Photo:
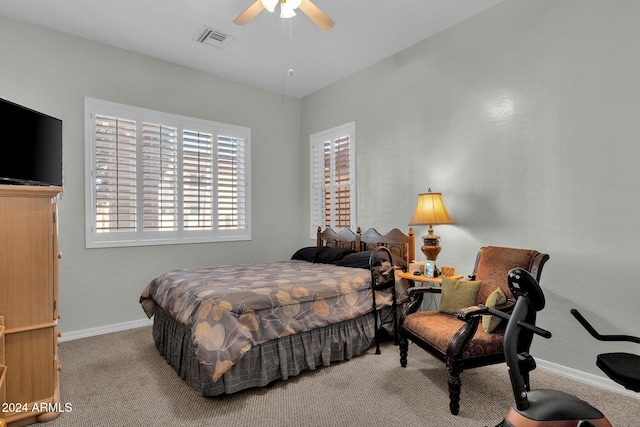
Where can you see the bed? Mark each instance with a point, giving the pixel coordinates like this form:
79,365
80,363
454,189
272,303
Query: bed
224,329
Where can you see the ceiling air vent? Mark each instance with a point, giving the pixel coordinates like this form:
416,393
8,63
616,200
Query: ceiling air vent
213,37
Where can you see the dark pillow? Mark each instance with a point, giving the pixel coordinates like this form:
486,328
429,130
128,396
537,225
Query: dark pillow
309,253
332,255
361,260
355,260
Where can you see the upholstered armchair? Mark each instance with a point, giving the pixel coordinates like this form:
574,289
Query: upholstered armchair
459,332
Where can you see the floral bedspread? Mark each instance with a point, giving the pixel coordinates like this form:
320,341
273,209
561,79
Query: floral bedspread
230,309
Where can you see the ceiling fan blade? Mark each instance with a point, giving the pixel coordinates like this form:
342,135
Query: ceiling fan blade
316,15
249,13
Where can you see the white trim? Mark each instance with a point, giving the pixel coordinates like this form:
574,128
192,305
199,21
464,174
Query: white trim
107,329
585,377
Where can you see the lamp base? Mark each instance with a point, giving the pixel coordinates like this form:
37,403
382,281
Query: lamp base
431,252
431,249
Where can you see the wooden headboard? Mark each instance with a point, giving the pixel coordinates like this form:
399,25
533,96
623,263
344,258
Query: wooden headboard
396,241
344,239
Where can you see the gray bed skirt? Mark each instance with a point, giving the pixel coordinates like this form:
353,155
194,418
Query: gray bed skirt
274,360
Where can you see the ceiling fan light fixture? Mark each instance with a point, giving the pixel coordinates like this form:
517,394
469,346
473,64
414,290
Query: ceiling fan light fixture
270,5
286,11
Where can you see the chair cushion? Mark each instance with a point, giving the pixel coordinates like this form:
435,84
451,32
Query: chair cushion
489,322
437,329
494,265
457,294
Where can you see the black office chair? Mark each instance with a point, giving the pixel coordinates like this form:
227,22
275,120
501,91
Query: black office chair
623,368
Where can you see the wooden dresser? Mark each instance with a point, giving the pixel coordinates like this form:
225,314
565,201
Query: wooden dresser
28,302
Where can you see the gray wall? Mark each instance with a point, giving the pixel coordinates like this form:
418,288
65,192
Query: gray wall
526,118
52,72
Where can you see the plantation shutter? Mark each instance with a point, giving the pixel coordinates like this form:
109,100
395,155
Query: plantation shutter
197,168
342,182
317,187
231,183
115,174
160,177
333,179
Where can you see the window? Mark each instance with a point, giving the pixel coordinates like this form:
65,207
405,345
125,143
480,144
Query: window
333,178
156,178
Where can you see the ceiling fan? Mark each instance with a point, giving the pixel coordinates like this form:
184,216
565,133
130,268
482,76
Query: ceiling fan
287,10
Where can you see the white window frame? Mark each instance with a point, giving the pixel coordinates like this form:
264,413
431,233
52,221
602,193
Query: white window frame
241,228
317,184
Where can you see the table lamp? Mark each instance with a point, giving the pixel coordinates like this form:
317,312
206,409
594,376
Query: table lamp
430,211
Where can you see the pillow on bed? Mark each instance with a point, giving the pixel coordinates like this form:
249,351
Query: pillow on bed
321,254
355,260
361,260
309,253
332,255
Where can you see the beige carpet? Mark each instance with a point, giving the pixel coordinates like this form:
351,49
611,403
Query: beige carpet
119,379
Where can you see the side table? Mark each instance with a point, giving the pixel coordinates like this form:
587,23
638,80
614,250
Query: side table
434,283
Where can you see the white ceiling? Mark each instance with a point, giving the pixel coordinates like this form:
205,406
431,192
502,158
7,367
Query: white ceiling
262,52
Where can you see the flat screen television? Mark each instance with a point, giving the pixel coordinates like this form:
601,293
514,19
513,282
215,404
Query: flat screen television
32,146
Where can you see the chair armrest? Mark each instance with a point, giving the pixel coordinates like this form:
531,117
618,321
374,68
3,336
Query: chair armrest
415,296
460,340
471,317
507,307
501,310
413,304
475,310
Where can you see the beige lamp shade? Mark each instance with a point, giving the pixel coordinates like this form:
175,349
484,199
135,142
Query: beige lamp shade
430,210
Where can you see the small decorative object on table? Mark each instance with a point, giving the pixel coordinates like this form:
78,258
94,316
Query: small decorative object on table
430,269
448,271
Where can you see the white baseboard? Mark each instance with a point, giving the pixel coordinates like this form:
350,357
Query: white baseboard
100,330
585,377
564,371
